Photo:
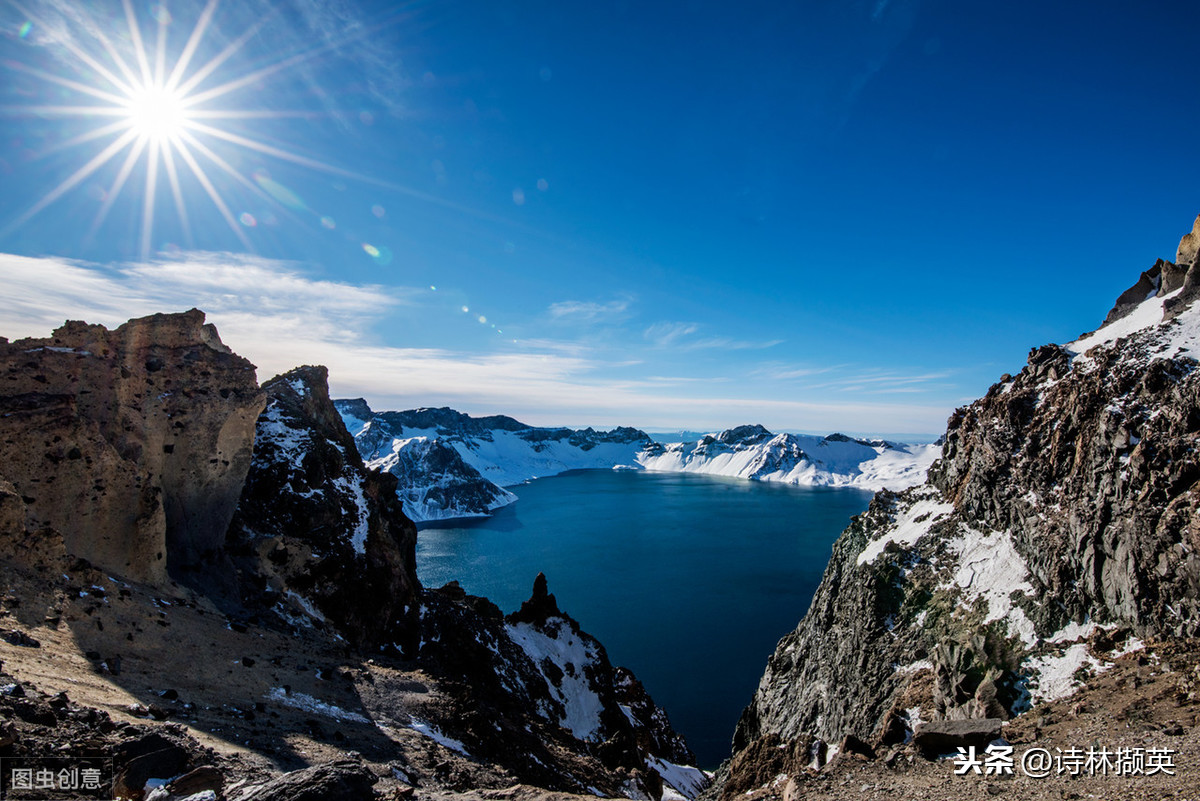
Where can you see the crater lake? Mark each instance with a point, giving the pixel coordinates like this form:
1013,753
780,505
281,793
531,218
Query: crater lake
688,580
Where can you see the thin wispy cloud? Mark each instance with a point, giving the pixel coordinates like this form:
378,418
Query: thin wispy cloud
588,311
790,372
725,343
880,383
680,335
664,334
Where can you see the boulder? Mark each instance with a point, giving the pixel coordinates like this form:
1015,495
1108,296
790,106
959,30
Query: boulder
947,736
333,781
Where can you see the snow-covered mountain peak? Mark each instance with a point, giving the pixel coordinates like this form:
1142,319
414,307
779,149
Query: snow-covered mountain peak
744,435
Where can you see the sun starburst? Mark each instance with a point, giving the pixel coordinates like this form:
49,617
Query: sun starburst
162,116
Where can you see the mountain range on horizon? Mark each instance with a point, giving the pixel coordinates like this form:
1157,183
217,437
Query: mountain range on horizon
450,465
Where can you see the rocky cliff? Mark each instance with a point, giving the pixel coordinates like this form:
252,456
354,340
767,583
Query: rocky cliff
539,695
1059,527
317,534
132,443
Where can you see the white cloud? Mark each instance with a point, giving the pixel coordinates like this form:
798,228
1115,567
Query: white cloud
278,316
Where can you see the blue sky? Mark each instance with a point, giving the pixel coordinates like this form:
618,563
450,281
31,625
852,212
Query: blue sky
817,215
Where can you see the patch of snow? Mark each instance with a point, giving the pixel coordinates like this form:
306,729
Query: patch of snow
1073,631
75,351
912,717
571,655
305,604
431,731
298,386
358,537
1131,645
913,667
1148,313
292,443
989,567
309,704
1055,675
686,781
908,527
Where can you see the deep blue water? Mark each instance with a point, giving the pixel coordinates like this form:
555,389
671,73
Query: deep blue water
687,580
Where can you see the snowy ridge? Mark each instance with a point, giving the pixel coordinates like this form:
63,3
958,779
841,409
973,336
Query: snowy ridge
450,465
752,452
436,483
1161,338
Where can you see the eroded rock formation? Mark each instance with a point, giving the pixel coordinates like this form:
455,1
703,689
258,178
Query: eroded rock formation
133,443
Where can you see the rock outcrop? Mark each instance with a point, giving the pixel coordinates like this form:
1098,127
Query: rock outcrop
315,529
1062,523
132,443
540,697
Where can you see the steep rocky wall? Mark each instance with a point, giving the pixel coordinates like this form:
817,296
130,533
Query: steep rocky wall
1063,518
314,522
133,443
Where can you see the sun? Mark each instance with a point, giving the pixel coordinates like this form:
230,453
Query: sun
154,112
157,114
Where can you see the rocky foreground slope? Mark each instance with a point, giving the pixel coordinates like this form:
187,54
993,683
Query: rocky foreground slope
179,544
1058,531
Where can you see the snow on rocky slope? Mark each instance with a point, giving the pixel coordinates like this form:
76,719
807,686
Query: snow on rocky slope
1056,532
451,465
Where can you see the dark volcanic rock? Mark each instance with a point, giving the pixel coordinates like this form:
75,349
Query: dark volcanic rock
314,521
540,606
133,443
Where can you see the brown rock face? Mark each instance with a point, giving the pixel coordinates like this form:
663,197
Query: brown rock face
1189,245
134,443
